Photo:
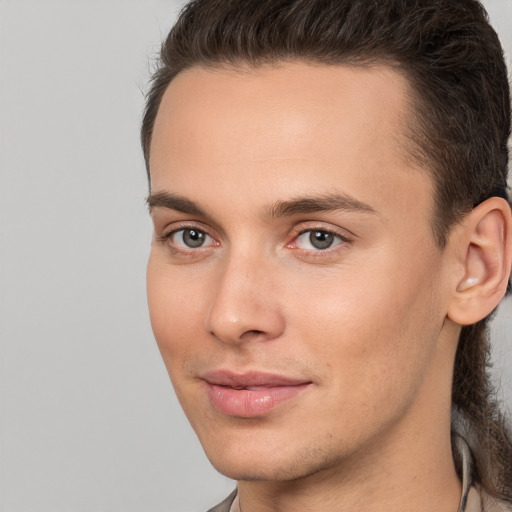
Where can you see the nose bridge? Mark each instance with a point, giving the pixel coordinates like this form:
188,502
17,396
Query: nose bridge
245,304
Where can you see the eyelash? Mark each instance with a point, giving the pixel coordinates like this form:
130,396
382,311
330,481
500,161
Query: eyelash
341,239
166,239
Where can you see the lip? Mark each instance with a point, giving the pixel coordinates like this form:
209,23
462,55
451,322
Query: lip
250,394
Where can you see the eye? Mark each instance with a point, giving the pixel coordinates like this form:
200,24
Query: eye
189,238
317,239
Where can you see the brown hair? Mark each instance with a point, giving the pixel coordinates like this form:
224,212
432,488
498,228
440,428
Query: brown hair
461,124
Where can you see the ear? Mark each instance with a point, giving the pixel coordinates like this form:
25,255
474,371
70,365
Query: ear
482,244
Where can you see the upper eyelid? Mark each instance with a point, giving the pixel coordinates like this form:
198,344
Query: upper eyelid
180,225
307,226
164,218
323,230
183,228
192,228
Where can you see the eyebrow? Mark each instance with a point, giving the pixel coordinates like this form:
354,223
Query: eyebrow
174,202
304,205
324,203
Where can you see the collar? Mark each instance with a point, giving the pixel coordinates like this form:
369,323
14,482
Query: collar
470,500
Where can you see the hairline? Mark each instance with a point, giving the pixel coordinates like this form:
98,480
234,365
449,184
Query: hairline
408,139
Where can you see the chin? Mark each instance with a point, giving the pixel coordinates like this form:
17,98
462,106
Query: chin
247,470
269,461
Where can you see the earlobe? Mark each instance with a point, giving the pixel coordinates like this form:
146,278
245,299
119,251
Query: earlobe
485,249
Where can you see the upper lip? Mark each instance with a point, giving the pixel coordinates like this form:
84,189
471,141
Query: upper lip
250,379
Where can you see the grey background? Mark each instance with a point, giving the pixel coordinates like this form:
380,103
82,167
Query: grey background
88,420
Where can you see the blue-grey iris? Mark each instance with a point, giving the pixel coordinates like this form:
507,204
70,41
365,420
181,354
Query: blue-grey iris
193,238
321,239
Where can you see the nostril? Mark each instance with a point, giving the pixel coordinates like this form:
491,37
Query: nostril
253,333
245,336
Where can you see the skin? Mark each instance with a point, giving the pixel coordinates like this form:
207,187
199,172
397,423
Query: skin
363,321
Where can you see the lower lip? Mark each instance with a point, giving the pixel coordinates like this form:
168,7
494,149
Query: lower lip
246,403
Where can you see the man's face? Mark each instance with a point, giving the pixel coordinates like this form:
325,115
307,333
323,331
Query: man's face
294,282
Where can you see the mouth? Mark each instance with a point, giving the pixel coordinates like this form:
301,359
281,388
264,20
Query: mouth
252,394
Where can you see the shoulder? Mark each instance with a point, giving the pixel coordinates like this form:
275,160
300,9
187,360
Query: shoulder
225,505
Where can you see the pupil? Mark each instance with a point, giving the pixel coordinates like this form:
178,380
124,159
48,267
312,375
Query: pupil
193,238
320,239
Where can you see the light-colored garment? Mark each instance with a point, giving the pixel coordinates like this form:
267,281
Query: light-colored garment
225,506
472,500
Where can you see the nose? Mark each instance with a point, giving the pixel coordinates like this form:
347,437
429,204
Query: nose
245,303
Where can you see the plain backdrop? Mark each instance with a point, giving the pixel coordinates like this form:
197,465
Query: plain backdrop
88,418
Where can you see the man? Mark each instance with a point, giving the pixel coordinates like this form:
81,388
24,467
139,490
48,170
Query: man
328,191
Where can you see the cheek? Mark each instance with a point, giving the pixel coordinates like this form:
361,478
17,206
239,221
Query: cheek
175,313
174,309
376,330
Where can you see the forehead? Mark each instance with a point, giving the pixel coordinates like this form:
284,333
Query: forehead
284,125
293,97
